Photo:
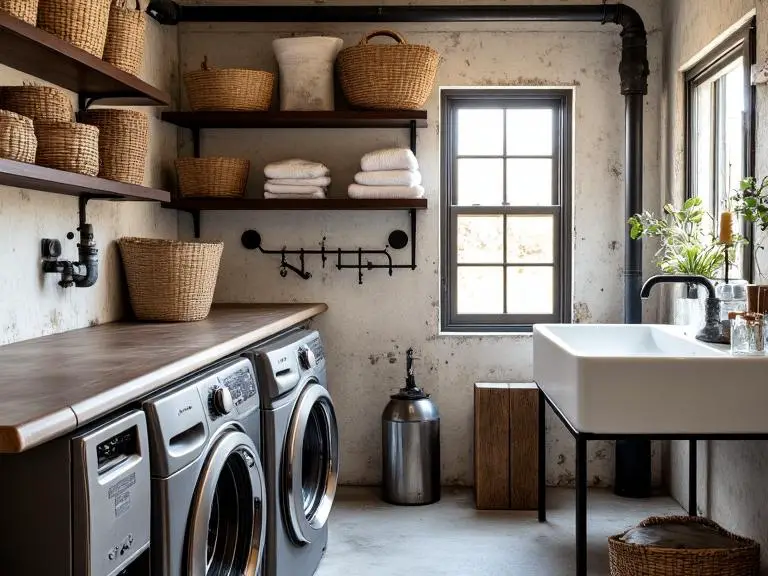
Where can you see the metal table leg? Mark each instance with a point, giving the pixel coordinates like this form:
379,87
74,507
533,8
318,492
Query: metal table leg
542,480
581,506
692,483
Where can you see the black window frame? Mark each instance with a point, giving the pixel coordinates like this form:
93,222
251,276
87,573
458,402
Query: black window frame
741,44
561,102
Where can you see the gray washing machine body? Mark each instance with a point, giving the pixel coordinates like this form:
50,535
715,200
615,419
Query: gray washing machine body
208,488
300,451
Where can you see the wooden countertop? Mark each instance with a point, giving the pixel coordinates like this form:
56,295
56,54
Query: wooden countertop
50,386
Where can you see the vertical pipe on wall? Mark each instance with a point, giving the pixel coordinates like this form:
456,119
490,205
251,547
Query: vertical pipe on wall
633,198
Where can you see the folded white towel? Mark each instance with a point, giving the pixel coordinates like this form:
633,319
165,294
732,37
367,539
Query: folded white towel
358,191
319,181
314,196
389,159
295,168
286,189
389,178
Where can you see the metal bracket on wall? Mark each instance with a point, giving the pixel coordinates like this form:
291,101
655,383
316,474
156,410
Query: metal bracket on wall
195,220
85,101
398,239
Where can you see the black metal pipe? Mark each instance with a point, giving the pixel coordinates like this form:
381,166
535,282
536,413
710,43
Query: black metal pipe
88,254
633,198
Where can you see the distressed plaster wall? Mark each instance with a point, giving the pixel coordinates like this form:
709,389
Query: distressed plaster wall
731,475
369,327
32,305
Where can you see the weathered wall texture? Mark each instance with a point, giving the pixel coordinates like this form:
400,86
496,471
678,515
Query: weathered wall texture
32,305
369,327
731,475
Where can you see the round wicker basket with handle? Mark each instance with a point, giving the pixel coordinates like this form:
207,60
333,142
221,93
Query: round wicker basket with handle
22,9
630,559
170,281
38,103
387,76
126,34
82,23
123,143
212,177
68,146
17,137
229,89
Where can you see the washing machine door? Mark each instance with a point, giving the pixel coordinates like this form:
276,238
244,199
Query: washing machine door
310,463
227,524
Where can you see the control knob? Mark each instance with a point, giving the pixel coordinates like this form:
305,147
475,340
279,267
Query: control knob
307,358
222,401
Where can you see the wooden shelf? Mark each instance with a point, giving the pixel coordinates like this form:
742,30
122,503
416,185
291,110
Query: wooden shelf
36,52
198,204
32,177
334,119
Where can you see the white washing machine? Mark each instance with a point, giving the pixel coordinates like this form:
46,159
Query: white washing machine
208,489
300,451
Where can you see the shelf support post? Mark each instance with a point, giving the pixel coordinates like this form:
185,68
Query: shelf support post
196,141
413,136
413,238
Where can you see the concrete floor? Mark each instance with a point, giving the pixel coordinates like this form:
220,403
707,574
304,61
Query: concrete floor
451,538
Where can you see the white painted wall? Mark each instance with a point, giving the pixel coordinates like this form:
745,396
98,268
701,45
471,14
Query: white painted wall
32,305
369,327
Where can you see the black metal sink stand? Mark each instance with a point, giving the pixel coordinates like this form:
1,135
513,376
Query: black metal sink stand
581,468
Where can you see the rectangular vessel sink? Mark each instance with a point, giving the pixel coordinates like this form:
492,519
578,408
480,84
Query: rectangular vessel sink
646,379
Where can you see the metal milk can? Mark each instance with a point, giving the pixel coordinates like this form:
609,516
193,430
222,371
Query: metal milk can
411,445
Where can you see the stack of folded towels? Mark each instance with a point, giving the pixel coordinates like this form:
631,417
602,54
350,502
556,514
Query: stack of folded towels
296,179
390,173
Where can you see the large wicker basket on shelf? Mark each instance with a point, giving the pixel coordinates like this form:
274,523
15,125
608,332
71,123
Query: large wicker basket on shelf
170,281
68,146
38,103
229,89
17,137
630,559
126,34
387,76
22,9
82,23
123,143
212,177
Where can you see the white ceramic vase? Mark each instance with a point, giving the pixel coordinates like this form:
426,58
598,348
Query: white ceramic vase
306,71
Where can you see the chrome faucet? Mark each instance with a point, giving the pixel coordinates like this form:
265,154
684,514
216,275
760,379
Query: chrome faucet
713,328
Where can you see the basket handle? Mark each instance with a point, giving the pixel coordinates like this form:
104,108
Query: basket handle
389,33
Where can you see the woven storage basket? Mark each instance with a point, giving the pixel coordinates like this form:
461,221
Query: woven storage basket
636,560
82,23
229,89
123,143
170,281
217,176
17,137
124,47
22,9
68,146
38,103
387,76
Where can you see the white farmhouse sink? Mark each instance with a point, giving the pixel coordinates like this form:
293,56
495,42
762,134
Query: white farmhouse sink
648,379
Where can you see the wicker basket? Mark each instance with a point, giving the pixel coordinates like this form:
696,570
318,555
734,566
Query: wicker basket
17,137
387,76
218,177
82,23
636,560
22,9
39,103
123,143
170,281
229,89
68,146
124,48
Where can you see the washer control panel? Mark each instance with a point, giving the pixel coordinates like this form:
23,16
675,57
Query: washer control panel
231,389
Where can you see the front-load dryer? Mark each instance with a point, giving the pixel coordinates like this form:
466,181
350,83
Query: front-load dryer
300,451
208,489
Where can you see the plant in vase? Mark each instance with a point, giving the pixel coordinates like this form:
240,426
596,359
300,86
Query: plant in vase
751,202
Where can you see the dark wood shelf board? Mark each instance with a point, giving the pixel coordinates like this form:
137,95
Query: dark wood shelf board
36,52
197,204
332,119
32,177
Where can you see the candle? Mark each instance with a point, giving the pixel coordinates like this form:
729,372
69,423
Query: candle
726,228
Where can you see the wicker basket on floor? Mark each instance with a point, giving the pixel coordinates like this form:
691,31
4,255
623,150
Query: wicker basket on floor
629,559
229,89
17,137
126,34
82,23
68,146
170,281
22,9
123,143
38,103
212,177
